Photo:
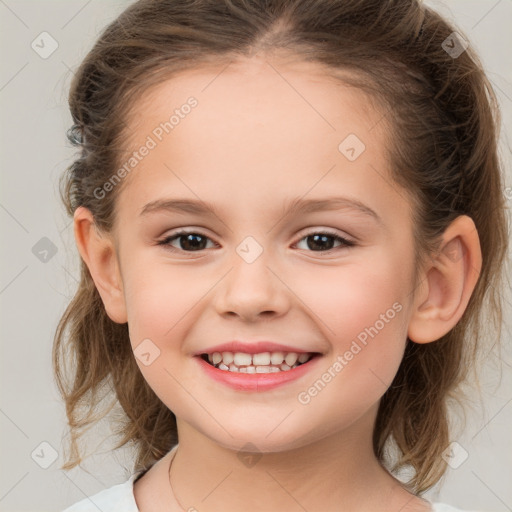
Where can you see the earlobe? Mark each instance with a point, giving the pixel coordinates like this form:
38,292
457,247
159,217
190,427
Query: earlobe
447,283
98,252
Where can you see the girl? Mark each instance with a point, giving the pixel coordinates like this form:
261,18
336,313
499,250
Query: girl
291,221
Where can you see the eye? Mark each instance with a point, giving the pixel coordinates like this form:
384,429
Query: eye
323,241
191,241
188,241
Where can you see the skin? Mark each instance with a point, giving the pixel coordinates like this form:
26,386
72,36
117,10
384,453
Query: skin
257,139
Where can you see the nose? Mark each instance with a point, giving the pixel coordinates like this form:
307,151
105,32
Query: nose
252,291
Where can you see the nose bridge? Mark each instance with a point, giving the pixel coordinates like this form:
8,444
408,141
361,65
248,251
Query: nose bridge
251,287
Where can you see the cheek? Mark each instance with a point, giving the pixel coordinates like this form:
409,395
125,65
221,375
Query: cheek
364,318
351,299
160,301
363,313
158,298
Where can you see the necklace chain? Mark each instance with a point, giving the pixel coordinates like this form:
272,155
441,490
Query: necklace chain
170,484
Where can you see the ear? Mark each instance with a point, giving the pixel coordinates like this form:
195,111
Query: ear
447,282
98,252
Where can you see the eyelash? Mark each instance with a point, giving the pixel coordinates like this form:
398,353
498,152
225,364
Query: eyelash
345,243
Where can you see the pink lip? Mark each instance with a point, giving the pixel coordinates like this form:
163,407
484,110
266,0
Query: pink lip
256,381
256,347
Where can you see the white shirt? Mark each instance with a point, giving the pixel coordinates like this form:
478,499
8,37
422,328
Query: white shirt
120,498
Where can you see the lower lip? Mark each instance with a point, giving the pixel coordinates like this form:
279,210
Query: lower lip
257,381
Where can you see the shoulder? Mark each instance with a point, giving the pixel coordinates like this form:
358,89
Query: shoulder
443,507
118,498
121,497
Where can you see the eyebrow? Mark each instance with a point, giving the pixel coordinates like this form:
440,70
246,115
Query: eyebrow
297,205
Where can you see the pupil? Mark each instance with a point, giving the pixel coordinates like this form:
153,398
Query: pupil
191,242
319,242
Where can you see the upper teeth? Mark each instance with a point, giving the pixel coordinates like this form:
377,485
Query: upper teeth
261,359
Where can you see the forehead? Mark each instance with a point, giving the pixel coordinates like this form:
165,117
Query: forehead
243,89
272,125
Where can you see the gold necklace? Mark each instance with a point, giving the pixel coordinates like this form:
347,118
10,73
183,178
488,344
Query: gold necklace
170,484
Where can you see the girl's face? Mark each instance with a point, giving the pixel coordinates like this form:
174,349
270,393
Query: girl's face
257,138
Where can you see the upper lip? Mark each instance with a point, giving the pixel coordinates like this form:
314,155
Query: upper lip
255,347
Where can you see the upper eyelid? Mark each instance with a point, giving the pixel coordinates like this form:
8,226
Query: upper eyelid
198,231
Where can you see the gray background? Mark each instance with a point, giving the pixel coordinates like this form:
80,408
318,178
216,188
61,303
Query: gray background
34,293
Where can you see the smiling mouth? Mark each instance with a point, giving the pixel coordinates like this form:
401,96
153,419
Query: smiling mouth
267,362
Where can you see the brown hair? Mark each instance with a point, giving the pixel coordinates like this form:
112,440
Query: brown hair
443,152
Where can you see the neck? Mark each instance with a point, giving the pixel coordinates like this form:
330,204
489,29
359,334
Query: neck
336,472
